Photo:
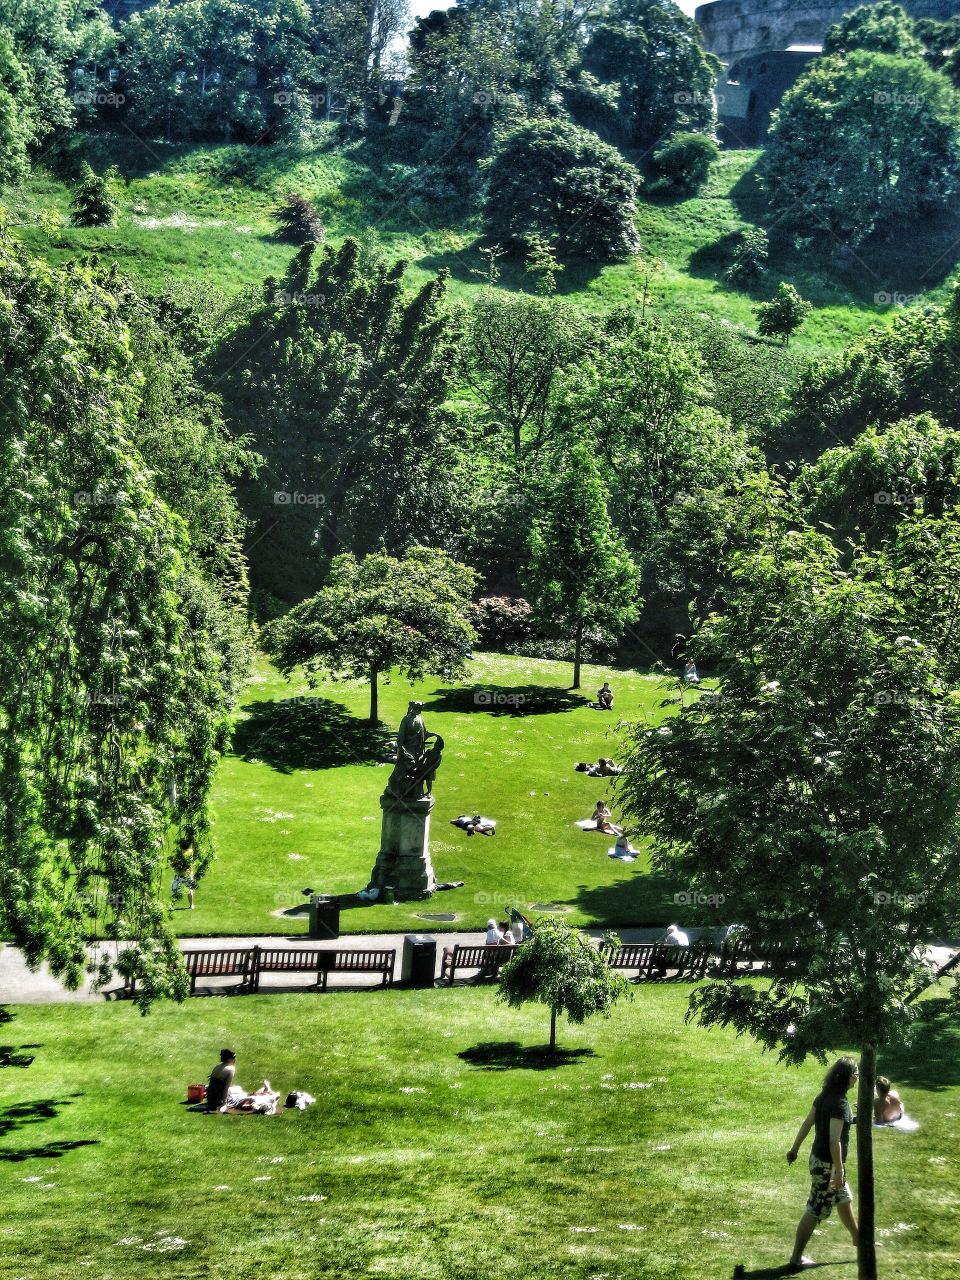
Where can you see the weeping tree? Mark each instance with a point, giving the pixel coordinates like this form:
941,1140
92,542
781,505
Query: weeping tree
115,646
819,790
561,968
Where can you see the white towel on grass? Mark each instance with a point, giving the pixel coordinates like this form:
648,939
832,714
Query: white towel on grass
903,1125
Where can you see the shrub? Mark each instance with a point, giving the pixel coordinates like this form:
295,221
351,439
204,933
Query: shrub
94,204
299,222
783,315
749,258
682,164
554,180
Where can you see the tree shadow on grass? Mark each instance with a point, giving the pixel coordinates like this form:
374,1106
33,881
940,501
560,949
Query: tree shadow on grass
768,1273
932,1060
19,1114
499,700
510,1055
307,733
49,1151
644,900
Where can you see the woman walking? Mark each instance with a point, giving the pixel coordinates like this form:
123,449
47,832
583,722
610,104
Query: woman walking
830,1118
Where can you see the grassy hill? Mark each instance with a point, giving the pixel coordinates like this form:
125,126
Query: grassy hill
203,212
440,1148
296,803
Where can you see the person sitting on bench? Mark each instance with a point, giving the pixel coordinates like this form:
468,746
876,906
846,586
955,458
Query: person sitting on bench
675,937
506,934
493,934
476,824
605,697
221,1078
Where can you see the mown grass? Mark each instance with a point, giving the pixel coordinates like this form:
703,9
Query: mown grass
440,1147
203,212
296,803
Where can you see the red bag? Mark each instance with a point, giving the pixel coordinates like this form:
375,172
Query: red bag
196,1092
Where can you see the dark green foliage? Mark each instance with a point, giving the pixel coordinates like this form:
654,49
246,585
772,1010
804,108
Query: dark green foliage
379,615
94,201
663,82
554,180
749,258
561,968
884,27
888,131
783,315
342,377
299,222
682,164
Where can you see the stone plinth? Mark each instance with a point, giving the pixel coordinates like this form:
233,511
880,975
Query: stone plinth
404,857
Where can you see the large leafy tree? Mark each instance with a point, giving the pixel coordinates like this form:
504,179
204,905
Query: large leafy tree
561,968
819,791
562,183
862,143
581,576
342,377
117,650
650,53
380,614
885,27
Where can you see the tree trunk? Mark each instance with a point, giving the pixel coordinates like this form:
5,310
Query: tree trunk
374,697
867,1252
553,1028
577,655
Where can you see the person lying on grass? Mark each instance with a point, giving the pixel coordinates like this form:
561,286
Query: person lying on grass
830,1117
604,768
475,824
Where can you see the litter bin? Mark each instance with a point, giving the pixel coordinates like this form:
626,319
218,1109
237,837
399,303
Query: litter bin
324,919
419,964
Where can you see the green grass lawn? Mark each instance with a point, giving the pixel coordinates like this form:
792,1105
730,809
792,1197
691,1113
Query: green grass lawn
439,1149
203,212
296,804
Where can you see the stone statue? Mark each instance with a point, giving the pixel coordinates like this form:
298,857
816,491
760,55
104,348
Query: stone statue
418,757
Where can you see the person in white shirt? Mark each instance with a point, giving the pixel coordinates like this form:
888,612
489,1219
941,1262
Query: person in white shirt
675,937
493,933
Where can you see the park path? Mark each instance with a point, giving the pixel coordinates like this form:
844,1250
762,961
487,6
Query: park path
18,985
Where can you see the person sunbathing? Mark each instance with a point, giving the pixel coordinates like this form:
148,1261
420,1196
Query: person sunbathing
887,1104
623,848
476,824
604,768
601,816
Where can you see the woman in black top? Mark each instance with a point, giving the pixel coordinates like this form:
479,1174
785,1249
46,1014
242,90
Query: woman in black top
830,1118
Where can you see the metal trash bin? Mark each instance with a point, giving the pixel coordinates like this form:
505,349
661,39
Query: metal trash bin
324,921
419,964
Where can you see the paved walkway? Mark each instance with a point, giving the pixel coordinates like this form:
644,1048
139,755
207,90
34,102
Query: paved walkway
19,986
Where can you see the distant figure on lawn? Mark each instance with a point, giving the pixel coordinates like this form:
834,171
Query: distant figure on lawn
830,1118
605,697
690,673
221,1078
675,937
475,824
604,768
183,880
601,816
887,1105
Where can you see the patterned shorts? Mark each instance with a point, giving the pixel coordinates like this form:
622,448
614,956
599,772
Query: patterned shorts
822,1196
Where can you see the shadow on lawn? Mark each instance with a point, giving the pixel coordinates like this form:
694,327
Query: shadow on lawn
498,700
932,1060
307,733
509,1055
645,899
767,1273
20,1114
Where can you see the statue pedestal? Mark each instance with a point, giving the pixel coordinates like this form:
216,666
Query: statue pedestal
404,857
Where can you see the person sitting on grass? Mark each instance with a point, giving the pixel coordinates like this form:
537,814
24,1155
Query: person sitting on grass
601,816
605,697
221,1078
830,1117
690,673
887,1105
623,848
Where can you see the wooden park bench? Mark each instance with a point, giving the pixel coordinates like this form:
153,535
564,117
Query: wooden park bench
323,963
658,962
489,960
219,963
753,957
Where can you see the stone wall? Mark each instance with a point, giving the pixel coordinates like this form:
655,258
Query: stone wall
732,28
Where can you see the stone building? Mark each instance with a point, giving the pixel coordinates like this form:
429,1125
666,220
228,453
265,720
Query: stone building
765,45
